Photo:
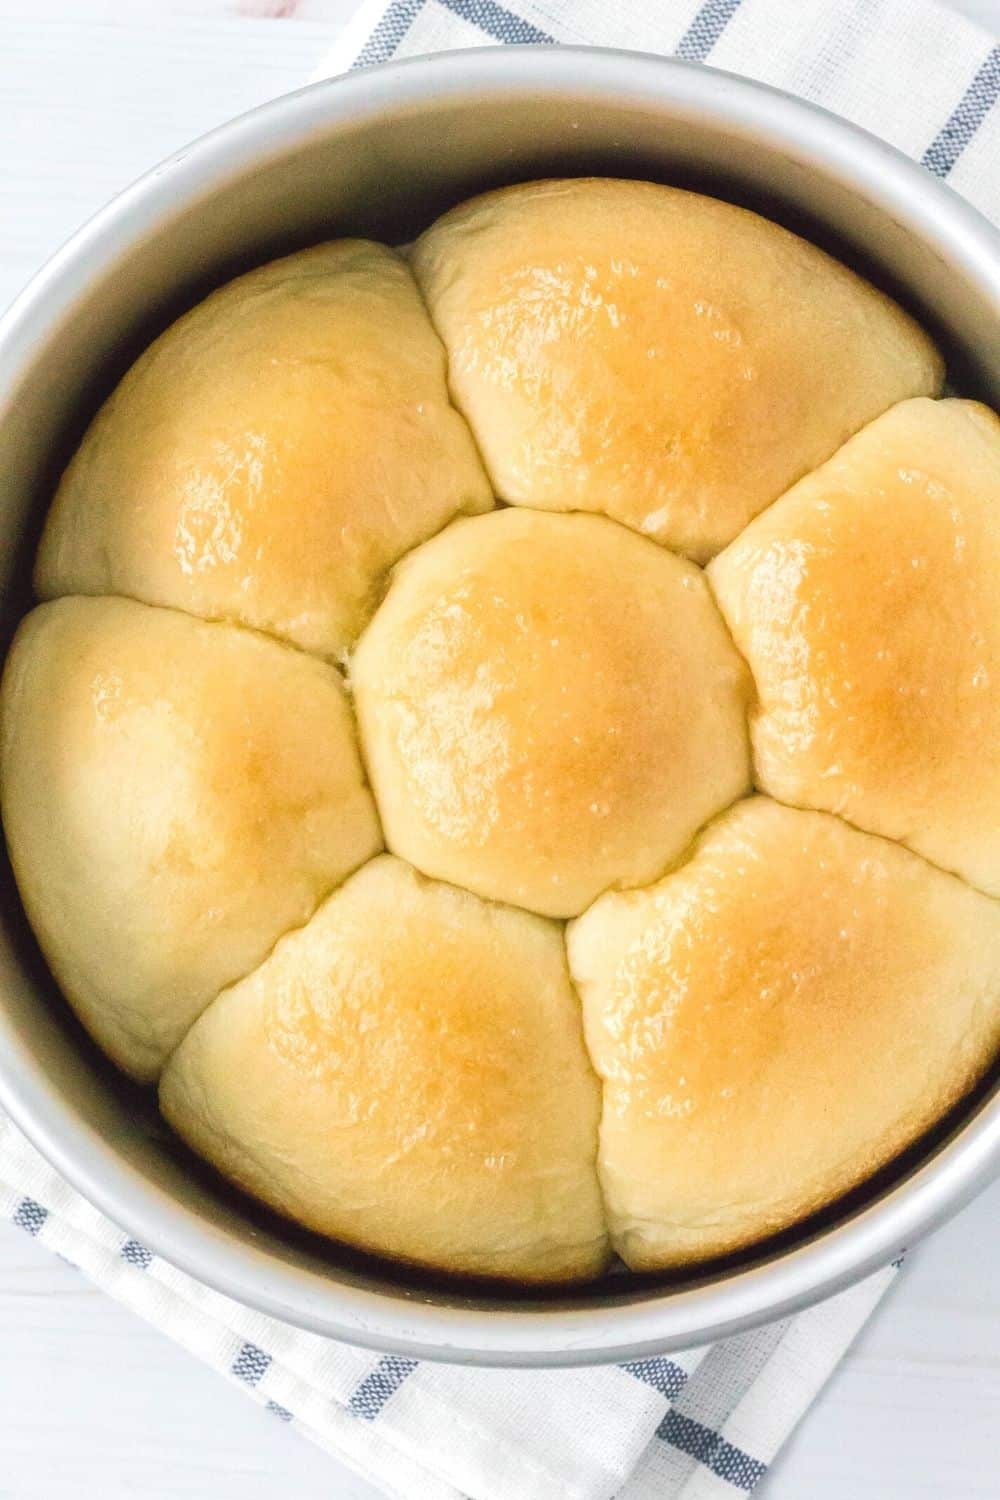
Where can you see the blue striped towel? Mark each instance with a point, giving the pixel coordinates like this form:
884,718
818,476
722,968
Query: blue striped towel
702,1424
911,71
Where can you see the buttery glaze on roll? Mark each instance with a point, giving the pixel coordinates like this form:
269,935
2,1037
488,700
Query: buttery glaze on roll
271,454
176,795
660,356
550,705
774,1021
865,602
407,1073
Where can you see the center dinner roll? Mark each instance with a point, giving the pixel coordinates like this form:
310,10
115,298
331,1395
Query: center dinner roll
176,795
272,454
773,1022
660,356
866,602
549,705
407,1073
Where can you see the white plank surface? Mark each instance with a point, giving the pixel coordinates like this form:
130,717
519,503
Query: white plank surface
92,1403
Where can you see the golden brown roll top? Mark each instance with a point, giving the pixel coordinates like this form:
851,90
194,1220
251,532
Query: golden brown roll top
774,1021
176,795
271,454
550,705
865,601
660,356
407,1073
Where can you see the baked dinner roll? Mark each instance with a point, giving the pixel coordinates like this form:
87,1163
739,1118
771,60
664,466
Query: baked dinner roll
549,705
176,795
271,455
407,1073
866,604
774,1021
281,566
663,357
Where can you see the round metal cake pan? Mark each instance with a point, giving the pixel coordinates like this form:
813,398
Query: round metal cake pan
380,153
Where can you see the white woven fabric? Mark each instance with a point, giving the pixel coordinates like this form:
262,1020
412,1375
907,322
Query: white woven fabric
706,1424
694,1425
910,71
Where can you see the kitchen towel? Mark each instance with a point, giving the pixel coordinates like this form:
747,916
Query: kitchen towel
916,74
693,1425
702,1424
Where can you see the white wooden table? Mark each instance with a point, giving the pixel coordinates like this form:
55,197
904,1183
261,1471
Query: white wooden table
93,1404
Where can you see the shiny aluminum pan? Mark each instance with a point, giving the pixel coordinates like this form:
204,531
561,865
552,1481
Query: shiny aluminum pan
380,153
